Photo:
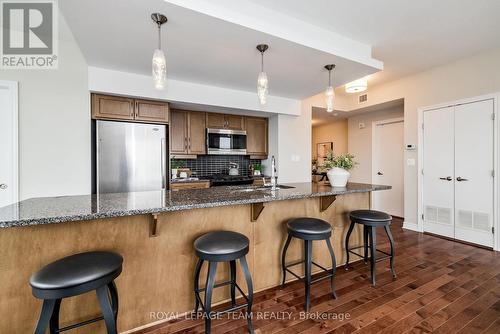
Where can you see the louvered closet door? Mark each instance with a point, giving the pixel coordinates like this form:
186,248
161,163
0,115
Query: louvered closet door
438,189
473,172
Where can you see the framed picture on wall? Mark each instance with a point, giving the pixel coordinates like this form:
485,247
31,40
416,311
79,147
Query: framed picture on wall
322,150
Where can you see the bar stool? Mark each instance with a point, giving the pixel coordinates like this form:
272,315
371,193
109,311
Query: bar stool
215,247
371,219
75,275
309,229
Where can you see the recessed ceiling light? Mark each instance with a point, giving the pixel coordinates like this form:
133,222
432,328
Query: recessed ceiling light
357,86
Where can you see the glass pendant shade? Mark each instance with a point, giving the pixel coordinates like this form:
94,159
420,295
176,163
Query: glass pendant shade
329,97
357,86
159,69
262,87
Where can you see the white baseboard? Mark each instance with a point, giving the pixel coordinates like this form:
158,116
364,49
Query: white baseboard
411,226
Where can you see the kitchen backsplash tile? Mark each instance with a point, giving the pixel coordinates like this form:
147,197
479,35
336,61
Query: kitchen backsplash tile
218,164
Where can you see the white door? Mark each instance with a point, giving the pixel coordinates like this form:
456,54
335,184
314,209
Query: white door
8,142
473,172
438,169
388,160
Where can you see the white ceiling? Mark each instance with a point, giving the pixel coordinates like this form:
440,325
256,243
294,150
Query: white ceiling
409,36
120,35
320,116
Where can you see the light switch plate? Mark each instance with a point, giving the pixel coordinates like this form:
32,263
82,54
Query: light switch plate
410,162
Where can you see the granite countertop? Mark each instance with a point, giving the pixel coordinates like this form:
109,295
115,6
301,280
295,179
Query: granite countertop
48,210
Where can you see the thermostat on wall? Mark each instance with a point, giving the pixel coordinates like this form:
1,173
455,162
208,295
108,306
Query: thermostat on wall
411,147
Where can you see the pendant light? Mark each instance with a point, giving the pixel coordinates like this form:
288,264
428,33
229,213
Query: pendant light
262,82
159,63
329,92
357,86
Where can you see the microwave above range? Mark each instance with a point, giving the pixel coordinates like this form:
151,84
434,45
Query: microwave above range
223,141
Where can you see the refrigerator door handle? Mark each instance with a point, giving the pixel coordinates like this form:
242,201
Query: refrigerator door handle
163,162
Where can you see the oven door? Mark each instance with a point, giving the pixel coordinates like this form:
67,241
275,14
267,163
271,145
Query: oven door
220,141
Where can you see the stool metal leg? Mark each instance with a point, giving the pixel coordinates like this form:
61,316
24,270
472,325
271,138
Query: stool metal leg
334,267
54,319
113,292
372,233
283,257
365,243
232,265
45,315
248,279
107,311
391,241
212,269
197,297
351,227
308,263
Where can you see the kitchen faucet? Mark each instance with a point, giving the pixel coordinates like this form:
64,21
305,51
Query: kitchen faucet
273,173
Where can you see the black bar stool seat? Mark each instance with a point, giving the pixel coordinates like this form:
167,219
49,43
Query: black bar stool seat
215,247
371,219
75,275
309,229
221,246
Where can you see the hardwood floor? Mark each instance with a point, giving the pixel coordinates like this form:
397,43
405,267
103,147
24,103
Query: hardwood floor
442,287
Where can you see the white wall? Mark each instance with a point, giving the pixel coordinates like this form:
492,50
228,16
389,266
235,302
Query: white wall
473,76
132,84
54,124
359,141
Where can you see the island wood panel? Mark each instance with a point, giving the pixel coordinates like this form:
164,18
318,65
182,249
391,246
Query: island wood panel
157,272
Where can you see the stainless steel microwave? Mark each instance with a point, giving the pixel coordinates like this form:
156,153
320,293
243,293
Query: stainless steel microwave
223,141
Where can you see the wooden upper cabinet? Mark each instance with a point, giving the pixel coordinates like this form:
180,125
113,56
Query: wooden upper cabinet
178,132
125,108
151,111
222,121
112,107
217,121
196,133
257,137
235,122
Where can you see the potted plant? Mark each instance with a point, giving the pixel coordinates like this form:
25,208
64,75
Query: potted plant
175,165
257,168
338,168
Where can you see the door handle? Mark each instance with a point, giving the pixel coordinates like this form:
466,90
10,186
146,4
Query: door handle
3,186
448,178
380,173
460,179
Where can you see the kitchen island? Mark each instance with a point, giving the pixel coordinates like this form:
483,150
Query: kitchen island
154,232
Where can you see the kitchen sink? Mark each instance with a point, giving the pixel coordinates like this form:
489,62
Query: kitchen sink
261,188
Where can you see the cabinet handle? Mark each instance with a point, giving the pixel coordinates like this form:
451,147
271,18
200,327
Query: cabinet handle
185,143
189,143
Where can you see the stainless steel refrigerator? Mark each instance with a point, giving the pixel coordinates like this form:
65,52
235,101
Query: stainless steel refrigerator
130,157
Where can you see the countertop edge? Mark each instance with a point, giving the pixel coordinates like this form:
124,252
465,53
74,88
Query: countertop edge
218,203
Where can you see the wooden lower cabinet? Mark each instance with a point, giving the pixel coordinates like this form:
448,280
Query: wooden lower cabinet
190,185
257,137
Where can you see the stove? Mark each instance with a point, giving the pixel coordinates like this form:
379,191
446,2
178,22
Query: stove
229,180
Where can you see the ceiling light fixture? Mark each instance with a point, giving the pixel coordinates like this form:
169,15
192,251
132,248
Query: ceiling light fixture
262,82
159,63
329,92
357,86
